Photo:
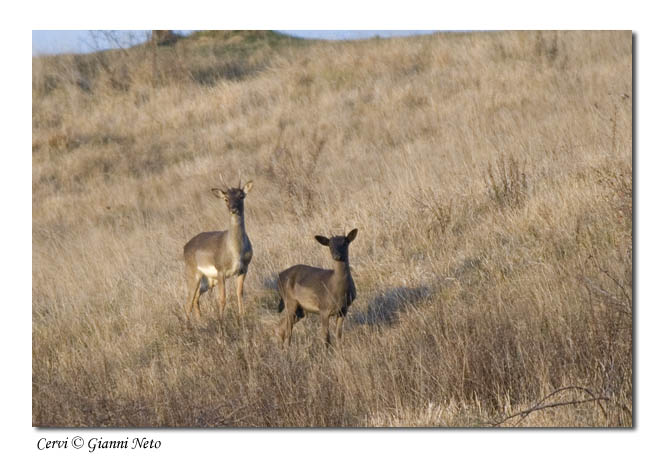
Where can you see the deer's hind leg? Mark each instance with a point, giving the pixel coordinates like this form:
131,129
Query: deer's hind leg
194,293
293,313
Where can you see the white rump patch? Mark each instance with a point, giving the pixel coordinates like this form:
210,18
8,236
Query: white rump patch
208,270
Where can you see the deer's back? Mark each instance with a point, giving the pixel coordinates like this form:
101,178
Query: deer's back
304,275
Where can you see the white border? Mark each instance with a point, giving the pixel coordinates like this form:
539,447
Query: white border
18,434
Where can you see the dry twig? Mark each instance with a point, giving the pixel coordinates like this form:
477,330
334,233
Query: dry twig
540,406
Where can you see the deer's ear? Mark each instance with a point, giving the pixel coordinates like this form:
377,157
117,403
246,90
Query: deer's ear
322,240
351,235
247,187
219,193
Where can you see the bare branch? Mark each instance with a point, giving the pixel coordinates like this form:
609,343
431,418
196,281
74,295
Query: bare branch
540,406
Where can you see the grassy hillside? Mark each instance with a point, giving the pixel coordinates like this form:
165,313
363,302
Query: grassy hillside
490,178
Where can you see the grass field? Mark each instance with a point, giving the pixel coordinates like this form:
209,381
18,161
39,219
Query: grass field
490,178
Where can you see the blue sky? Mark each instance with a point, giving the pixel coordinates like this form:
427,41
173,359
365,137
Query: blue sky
59,41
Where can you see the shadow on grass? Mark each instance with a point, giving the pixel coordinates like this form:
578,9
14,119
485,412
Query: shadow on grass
384,307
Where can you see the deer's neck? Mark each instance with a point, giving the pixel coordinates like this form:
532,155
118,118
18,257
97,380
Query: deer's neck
236,229
341,276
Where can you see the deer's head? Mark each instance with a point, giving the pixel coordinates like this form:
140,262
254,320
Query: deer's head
338,244
234,196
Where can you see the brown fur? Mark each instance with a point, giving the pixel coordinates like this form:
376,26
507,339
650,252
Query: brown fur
328,293
214,256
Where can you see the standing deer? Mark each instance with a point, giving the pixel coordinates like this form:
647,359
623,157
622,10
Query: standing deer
211,257
315,290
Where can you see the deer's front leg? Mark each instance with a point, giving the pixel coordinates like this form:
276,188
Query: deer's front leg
340,323
222,296
239,283
325,328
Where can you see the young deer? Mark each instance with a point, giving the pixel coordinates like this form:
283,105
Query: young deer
211,257
314,290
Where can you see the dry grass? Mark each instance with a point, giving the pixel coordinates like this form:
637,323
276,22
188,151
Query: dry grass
489,175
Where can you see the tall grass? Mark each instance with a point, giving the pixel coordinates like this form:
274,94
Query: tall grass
489,175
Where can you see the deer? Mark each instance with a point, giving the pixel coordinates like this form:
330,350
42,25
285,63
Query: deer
212,257
329,293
